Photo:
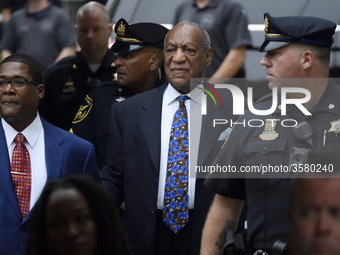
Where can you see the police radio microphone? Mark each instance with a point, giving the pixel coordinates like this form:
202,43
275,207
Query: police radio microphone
303,131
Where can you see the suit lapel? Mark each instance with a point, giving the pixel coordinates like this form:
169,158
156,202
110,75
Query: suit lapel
53,151
53,155
150,122
5,174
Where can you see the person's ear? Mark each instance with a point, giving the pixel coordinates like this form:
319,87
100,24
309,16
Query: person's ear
307,59
154,61
110,28
209,56
41,91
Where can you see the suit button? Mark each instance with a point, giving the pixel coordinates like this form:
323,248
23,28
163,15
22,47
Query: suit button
150,241
153,211
264,149
156,180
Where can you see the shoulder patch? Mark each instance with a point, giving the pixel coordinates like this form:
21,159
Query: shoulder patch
84,110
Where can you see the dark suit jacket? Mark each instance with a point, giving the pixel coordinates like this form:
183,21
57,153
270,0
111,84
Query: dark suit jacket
65,154
133,164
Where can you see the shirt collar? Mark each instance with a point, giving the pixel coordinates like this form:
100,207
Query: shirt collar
170,94
38,14
31,132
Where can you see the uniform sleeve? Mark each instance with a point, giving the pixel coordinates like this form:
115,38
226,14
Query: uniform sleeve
223,181
112,173
236,32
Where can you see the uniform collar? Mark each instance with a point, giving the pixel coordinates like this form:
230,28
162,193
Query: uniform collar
108,60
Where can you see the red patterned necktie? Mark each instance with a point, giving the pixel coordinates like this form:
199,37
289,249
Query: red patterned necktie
176,197
21,174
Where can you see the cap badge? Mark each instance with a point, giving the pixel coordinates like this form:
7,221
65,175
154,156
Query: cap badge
121,29
266,24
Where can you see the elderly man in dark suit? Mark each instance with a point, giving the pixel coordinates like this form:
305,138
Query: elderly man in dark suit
32,151
151,148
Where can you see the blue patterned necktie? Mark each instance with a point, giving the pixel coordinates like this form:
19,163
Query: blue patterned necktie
176,197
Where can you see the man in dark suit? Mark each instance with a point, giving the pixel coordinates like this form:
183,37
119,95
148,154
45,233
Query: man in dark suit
138,162
47,151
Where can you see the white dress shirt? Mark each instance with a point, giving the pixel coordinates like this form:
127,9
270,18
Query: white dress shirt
35,144
169,107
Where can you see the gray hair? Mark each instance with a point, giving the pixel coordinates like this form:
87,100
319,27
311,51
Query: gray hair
206,44
321,53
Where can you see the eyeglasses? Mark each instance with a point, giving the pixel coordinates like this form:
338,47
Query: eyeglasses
16,83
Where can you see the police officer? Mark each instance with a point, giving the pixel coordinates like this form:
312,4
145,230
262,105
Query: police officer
139,68
297,55
68,81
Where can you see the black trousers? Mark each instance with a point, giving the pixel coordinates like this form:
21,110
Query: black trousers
168,242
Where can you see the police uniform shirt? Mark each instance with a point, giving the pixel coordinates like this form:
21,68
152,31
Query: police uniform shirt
67,83
267,198
91,122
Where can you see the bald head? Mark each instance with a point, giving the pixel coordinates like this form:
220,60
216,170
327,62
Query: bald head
93,31
91,8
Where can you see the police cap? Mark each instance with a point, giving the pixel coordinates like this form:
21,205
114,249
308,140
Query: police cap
280,31
135,36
